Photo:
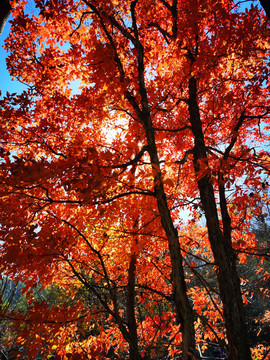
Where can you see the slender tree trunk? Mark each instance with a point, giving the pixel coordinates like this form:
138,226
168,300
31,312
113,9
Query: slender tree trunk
182,303
229,283
131,318
183,306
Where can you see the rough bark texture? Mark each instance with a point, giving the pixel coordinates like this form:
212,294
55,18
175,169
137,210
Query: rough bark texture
229,283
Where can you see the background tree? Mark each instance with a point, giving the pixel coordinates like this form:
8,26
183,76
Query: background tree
170,114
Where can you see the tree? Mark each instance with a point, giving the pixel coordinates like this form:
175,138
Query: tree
5,9
134,112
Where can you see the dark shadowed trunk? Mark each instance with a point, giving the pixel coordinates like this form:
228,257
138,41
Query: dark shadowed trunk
266,5
5,10
131,318
183,306
229,283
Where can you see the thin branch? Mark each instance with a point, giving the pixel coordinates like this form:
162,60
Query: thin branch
145,287
165,33
112,20
134,160
81,20
185,127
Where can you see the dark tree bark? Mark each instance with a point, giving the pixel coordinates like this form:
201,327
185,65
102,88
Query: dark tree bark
5,10
131,318
182,304
229,283
131,296
183,307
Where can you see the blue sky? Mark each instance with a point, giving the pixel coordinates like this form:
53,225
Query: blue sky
6,84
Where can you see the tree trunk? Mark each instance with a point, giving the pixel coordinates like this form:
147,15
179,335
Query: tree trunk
5,10
229,283
182,303
131,318
183,306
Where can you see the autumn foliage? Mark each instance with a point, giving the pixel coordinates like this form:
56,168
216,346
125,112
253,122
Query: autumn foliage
130,169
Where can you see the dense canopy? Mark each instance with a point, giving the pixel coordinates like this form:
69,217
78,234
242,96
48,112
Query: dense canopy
131,168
